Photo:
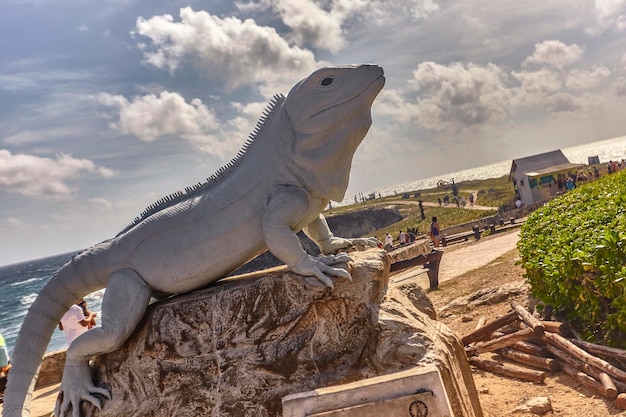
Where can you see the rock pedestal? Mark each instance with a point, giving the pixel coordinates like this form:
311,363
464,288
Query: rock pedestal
236,348
51,369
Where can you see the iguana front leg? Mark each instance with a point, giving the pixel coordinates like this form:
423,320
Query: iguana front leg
286,208
321,234
124,304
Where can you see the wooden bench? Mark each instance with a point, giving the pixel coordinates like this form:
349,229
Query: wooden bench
431,261
456,238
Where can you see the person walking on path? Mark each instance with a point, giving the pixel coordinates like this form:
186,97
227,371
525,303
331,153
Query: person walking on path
435,232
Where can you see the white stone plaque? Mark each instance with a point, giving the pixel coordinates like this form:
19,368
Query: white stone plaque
417,392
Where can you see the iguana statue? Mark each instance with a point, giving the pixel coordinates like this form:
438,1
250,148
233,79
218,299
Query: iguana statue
295,162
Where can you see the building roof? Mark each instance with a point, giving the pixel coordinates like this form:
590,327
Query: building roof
556,168
538,162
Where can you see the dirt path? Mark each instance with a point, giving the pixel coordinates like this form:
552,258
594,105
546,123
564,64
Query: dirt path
429,204
461,258
473,255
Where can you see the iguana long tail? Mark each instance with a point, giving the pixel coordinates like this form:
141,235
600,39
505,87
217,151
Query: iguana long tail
74,280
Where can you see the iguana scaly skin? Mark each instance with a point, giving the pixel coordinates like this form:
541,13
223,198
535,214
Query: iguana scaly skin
297,160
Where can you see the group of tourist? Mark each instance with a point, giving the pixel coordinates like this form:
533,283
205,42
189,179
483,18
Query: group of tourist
568,182
407,237
459,202
614,166
434,233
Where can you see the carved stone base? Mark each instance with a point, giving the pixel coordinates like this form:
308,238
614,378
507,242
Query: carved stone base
236,348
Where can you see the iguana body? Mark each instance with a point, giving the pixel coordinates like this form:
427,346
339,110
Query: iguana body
298,159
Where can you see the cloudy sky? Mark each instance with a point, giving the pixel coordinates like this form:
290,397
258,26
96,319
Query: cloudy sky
106,106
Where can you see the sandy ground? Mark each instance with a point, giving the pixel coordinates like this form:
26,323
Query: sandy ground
457,260
43,401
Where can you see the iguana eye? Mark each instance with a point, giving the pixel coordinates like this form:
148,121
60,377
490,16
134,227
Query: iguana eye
327,81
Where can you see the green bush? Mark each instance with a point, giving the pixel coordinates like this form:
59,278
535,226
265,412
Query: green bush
574,252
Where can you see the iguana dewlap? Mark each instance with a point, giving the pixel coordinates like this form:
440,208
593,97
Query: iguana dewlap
297,159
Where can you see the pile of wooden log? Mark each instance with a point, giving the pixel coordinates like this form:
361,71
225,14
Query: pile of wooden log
539,347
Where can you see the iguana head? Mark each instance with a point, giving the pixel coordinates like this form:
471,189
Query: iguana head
330,113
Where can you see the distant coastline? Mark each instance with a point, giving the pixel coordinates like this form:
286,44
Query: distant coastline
606,150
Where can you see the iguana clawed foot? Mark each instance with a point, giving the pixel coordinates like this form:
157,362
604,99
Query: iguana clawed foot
319,267
77,386
337,244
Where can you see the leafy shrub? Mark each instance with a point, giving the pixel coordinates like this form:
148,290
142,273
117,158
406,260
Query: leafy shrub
574,252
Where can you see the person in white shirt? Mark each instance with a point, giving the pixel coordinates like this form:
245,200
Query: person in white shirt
74,322
388,240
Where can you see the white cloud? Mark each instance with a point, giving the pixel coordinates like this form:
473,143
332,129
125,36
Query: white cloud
153,116
555,53
458,96
538,82
44,177
377,13
584,80
326,24
312,25
562,102
228,49
609,15
459,100
558,91
619,87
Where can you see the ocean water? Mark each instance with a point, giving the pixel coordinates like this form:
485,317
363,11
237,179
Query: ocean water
19,286
20,283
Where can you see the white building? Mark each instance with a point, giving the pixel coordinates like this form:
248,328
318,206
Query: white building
536,178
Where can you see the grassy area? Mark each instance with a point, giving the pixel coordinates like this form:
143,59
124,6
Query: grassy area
494,192
446,217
